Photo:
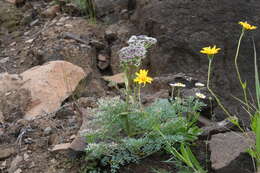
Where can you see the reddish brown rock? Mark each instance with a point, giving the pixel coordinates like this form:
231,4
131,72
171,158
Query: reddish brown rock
51,12
50,84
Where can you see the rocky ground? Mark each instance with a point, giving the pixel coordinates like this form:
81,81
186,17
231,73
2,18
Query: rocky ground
50,50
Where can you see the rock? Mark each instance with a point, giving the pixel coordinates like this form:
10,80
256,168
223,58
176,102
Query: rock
78,144
102,58
6,152
15,163
117,78
51,12
50,84
211,127
16,2
61,147
4,60
47,130
227,147
26,157
18,171
3,165
110,35
103,62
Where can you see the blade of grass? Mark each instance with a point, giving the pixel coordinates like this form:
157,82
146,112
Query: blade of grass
257,86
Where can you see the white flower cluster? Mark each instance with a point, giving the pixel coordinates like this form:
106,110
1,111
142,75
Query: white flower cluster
137,48
142,40
131,52
177,85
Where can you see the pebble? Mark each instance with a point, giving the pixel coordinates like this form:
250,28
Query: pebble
18,171
4,60
47,130
5,153
26,156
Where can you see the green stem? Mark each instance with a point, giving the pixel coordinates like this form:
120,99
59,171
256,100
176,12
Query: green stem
139,95
258,141
172,93
126,84
243,85
212,93
127,126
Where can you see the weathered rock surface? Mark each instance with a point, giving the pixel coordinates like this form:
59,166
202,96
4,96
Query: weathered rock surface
227,150
50,84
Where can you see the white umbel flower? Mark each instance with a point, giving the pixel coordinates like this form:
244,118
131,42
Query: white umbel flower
177,85
198,84
200,95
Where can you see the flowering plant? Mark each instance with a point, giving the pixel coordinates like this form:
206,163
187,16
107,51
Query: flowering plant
253,111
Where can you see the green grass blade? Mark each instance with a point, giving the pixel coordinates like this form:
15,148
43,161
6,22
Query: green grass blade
257,86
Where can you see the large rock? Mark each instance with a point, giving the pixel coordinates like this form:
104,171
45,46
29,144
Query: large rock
50,84
183,27
228,152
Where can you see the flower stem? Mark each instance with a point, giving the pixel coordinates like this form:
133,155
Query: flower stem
139,95
212,93
242,84
127,125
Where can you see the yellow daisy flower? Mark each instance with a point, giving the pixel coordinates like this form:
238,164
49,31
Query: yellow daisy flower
210,50
247,26
142,77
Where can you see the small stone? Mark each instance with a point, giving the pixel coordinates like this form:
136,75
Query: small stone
28,140
103,65
63,19
3,164
47,130
59,24
61,147
26,33
102,58
26,157
18,171
4,60
68,25
110,35
13,44
5,153
117,78
73,137
51,12
29,41
78,144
